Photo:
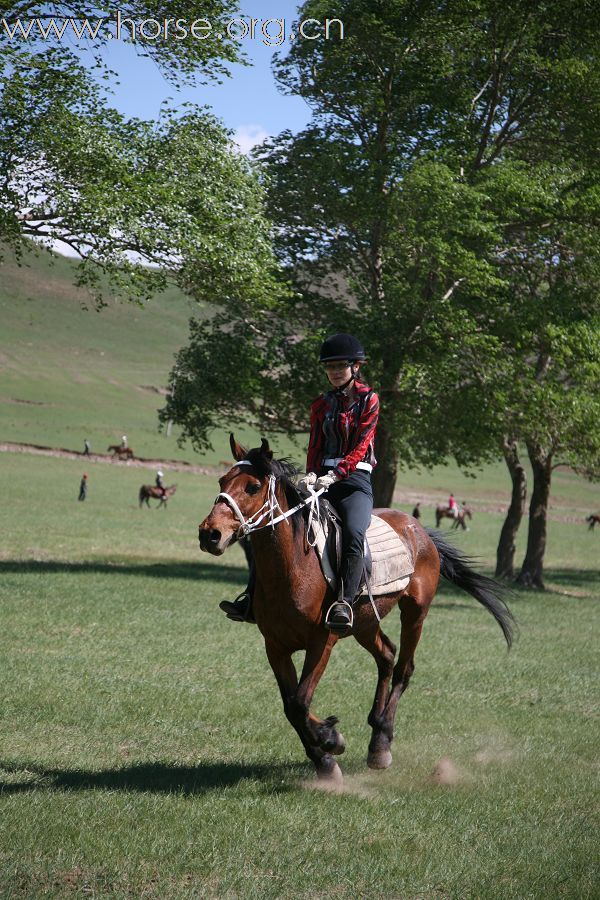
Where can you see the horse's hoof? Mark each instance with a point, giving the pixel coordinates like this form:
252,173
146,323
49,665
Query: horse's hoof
332,777
340,744
381,759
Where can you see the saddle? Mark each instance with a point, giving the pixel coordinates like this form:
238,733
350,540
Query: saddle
388,560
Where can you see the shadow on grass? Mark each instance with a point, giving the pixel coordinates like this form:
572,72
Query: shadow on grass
154,778
586,581
583,579
185,570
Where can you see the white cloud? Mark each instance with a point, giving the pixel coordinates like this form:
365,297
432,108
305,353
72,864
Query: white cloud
247,136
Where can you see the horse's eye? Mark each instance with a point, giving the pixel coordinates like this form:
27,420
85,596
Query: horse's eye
252,488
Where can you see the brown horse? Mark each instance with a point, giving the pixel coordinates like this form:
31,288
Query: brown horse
593,520
149,490
291,595
444,512
121,452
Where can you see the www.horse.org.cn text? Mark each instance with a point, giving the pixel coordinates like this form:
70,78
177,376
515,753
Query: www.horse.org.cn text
270,32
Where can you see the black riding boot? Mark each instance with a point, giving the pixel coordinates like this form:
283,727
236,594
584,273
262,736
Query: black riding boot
340,616
240,609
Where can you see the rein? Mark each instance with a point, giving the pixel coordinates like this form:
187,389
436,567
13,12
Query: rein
271,504
247,526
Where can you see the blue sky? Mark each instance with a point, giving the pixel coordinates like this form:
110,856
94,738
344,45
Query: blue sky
248,102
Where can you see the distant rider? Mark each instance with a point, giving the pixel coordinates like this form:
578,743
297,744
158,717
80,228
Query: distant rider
453,506
159,483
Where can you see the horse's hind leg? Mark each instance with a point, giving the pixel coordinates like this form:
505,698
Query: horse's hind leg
383,651
317,737
412,615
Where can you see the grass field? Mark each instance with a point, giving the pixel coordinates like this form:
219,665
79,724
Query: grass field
144,751
143,747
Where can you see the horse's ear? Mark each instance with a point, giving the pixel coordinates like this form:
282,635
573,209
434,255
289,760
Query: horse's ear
237,450
265,449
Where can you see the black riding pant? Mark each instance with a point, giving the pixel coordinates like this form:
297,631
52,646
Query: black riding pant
352,498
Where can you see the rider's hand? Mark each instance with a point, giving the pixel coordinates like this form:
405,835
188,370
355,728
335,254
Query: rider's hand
325,481
307,481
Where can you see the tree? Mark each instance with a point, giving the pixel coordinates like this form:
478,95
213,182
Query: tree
505,552
141,202
550,262
398,208
124,195
406,182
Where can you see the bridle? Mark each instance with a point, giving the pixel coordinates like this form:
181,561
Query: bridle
269,507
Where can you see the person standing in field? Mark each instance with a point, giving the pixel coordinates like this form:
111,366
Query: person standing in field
83,487
416,513
86,447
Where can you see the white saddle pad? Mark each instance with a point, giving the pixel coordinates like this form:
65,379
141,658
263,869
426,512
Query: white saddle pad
393,563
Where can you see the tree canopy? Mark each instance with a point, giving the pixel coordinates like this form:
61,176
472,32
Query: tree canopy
140,202
179,60
444,138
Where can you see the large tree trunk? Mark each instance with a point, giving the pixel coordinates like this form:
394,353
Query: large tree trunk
532,571
386,470
505,554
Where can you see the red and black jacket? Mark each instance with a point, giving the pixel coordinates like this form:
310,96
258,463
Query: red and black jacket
343,430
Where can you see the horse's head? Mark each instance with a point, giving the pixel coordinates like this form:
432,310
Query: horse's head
247,485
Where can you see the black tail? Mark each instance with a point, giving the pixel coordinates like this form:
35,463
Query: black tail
457,568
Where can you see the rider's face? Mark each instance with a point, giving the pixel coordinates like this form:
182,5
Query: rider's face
338,372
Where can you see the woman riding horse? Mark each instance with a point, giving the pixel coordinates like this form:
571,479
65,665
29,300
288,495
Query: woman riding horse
340,460
258,497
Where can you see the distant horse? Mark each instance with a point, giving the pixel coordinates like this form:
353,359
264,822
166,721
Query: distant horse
121,452
291,595
594,519
459,522
444,512
149,490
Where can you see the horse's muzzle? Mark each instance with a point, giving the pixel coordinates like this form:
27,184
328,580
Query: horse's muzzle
211,540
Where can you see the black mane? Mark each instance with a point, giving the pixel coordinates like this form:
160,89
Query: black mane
286,472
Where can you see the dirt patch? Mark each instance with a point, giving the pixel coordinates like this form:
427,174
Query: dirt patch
25,402
153,389
175,465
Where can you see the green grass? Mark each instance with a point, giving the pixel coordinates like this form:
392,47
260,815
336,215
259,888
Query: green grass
143,747
144,751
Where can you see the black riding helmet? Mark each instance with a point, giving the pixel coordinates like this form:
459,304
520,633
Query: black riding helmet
342,346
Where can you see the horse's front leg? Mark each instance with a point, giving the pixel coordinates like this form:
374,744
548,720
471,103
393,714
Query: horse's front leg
315,662
316,736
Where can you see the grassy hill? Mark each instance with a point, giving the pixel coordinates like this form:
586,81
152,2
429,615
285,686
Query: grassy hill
68,372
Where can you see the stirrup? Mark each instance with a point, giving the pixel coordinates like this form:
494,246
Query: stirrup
240,609
340,628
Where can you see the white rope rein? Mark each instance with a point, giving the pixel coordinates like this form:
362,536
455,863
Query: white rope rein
270,506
